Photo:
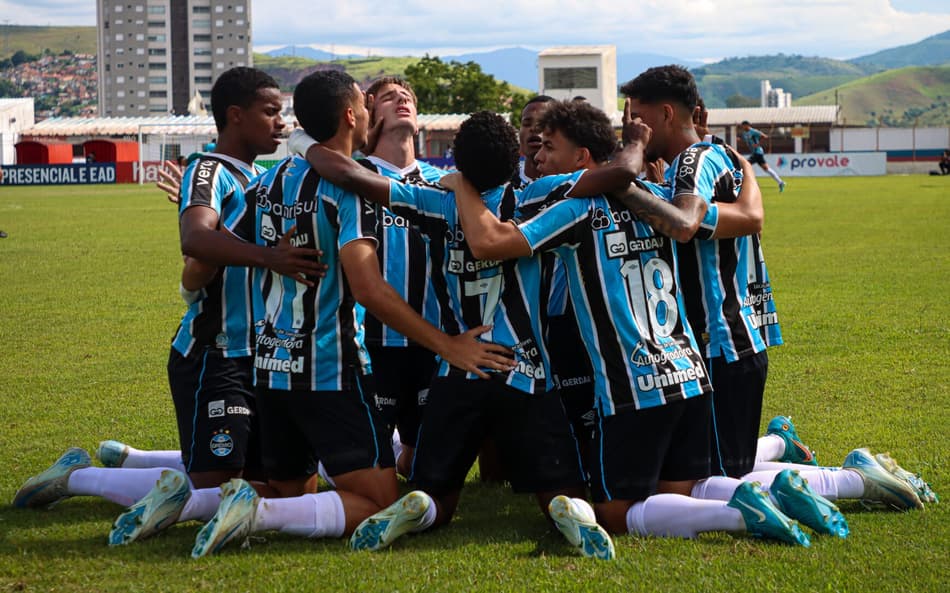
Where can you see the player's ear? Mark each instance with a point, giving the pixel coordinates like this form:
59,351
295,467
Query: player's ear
233,114
582,158
349,116
668,112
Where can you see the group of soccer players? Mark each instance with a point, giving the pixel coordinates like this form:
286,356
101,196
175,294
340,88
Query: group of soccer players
333,301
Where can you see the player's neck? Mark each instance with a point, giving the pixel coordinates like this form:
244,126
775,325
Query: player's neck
342,143
685,138
235,149
530,169
397,149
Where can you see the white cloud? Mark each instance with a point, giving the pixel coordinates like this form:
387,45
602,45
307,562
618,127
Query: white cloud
690,29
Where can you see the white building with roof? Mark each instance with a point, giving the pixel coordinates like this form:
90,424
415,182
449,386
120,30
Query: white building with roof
588,71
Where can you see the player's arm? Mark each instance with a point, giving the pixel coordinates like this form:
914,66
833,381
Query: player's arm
679,219
340,170
195,274
487,237
746,215
361,266
201,239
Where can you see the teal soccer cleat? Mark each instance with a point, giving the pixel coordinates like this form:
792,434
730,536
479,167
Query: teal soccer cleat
880,485
156,510
382,529
795,498
234,519
576,521
51,486
920,486
112,453
795,450
763,519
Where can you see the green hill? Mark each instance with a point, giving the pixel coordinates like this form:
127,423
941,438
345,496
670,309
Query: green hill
33,40
932,51
288,70
798,75
895,97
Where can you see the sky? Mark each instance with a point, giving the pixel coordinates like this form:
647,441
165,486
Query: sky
702,30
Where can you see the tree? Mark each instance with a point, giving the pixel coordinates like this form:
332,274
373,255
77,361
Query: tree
738,100
453,87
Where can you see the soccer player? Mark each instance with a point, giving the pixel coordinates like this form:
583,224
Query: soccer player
753,141
210,360
529,140
403,369
315,390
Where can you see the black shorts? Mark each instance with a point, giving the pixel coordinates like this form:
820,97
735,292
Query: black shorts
402,386
738,388
757,158
572,374
533,436
216,411
633,450
342,429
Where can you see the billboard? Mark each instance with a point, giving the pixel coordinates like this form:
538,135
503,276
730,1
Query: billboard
77,174
828,164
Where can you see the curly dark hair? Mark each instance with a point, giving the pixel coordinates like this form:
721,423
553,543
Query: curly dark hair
583,124
664,83
237,86
486,150
321,98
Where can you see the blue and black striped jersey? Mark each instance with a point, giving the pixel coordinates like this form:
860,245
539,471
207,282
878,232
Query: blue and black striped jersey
404,257
724,278
503,294
307,338
624,289
221,317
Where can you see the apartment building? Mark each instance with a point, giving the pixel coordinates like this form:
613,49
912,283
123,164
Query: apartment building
155,55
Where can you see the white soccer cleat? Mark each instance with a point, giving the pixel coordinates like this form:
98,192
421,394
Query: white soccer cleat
156,510
382,529
576,520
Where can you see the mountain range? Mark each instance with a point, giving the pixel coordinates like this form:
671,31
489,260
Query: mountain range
799,75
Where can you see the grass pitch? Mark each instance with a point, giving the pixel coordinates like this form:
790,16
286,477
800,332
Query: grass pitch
860,272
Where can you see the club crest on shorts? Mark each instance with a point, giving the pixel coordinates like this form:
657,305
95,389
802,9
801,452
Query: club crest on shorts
221,444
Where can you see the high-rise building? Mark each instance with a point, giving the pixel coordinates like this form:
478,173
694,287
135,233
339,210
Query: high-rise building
774,96
155,55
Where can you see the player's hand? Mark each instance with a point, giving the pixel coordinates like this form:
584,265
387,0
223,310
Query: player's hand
634,130
700,121
464,351
452,181
372,137
170,182
654,171
299,263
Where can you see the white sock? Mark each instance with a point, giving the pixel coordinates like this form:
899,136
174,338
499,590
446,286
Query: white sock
201,505
115,484
769,448
835,484
311,515
675,515
778,466
715,488
774,175
143,459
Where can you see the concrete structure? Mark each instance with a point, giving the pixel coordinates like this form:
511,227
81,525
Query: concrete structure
790,129
154,55
16,115
580,70
773,96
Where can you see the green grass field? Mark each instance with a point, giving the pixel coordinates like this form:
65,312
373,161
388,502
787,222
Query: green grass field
860,270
